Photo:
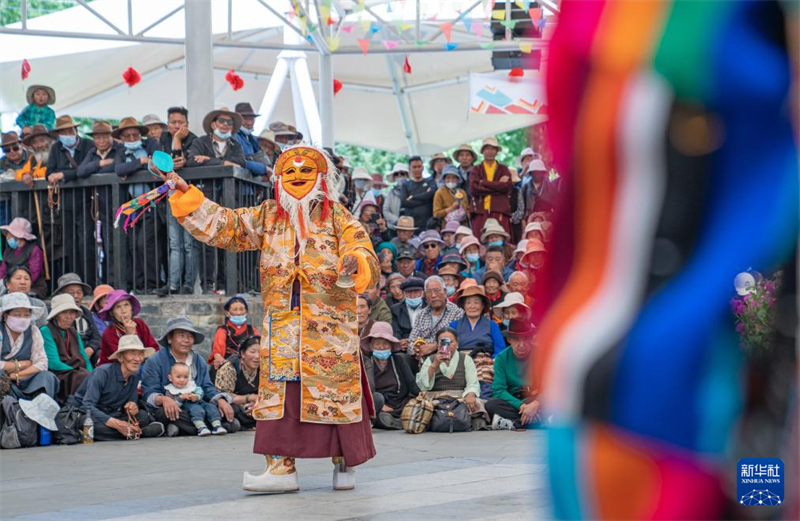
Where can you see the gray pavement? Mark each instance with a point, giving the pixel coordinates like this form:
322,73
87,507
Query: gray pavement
478,475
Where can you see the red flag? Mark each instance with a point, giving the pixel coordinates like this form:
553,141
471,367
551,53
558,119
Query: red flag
364,44
447,28
131,76
25,70
337,86
406,66
516,72
234,80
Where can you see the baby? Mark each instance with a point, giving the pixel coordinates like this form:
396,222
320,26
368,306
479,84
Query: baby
189,397
38,111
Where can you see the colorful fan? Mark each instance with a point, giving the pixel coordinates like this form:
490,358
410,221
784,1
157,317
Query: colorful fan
136,207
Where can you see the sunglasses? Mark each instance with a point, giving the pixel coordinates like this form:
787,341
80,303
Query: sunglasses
225,121
430,246
10,148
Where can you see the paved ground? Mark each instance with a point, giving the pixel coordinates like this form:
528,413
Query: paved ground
480,475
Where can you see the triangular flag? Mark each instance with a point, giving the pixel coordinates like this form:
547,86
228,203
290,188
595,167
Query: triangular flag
375,28
432,18
477,28
449,46
525,47
390,44
419,44
406,27
310,39
359,7
348,28
509,24
536,15
516,72
499,15
488,46
406,66
447,28
333,44
523,4
325,12
364,44
467,24
388,7
365,25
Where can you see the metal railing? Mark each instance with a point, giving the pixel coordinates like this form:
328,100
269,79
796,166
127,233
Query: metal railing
75,228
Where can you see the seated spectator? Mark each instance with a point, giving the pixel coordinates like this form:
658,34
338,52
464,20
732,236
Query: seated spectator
368,213
394,292
362,183
518,282
72,285
39,142
483,356
534,230
475,328
461,233
230,336
406,312
535,255
14,156
183,390
513,307
155,126
22,250
109,396
120,312
386,252
38,111
380,312
454,376
256,161
450,201
23,358
519,251
405,231
407,263
430,245
452,278
217,147
100,296
178,341
432,319
472,251
390,378
492,284
391,205
449,238
66,356
66,153
100,158
363,309
495,261
514,402
18,280
238,378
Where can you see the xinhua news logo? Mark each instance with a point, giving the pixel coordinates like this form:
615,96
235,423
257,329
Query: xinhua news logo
759,481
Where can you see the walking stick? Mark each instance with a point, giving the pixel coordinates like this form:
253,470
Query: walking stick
41,234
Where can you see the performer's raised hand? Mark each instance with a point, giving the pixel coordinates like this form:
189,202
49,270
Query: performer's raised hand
349,265
180,184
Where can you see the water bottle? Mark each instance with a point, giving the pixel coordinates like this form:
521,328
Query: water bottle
44,436
88,430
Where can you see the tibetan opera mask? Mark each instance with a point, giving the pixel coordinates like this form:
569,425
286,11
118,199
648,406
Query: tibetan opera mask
298,169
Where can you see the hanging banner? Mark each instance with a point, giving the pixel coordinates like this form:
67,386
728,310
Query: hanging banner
497,93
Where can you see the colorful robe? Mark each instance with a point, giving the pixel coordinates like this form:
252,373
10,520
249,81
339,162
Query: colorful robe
328,356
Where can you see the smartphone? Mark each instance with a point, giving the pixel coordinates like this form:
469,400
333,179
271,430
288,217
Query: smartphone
445,347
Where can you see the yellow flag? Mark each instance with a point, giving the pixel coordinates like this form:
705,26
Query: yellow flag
365,25
333,44
525,47
499,15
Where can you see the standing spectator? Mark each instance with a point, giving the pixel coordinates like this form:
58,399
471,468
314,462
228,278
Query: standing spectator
436,165
450,201
368,213
475,328
266,140
405,231
18,280
407,263
229,337
238,378
66,356
39,141
432,319
430,245
465,156
361,184
71,284
99,298
256,161
38,112
377,185
406,312
109,395
120,312
66,153
178,342
416,194
285,135
14,156
155,125
391,206
394,294
22,250
538,193
100,158
490,188
515,402
177,139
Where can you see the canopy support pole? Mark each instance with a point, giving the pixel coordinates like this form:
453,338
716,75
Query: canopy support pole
326,98
199,62
401,107
273,92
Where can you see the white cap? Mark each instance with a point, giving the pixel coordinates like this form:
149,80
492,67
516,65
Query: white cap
537,165
361,173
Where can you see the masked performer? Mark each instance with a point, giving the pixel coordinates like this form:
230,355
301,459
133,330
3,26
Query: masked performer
313,399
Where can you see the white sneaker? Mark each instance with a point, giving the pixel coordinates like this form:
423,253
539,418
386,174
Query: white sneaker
267,483
203,432
502,424
344,478
218,430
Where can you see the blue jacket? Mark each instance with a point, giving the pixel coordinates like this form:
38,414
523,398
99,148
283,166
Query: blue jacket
156,372
481,272
105,391
250,146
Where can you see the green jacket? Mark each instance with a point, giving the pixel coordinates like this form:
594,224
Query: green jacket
54,362
510,375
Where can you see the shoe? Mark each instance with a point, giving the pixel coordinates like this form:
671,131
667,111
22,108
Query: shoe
344,477
164,291
153,430
279,476
187,290
502,424
204,432
219,430
388,421
233,426
172,430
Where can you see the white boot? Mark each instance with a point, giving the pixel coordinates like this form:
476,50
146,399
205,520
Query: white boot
344,477
279,476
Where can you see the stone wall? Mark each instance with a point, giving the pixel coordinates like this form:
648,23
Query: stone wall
205,312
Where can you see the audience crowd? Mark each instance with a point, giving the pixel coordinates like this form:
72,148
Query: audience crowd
454,315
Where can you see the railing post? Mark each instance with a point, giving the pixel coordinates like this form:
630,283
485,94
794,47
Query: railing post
120,242
231,268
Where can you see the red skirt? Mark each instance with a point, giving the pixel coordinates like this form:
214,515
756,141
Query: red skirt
291,437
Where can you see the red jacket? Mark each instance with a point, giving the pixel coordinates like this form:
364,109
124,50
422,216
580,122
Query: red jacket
110,341
479,187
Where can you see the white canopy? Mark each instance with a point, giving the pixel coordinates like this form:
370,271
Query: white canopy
87,73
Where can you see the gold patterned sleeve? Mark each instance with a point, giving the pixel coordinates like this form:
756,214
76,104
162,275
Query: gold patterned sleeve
226,378
235,230
355,240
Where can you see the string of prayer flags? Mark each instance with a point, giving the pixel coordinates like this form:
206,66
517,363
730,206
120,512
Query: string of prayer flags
536,15
477,28
487,46
375,28
348,28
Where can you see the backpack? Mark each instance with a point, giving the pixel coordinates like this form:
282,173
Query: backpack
18,430
69,421
417,414
451,415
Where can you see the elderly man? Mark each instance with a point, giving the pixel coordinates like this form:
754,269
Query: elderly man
109,395
416,194
100,158
405,231
490,187
430,247
179,339
518,282
405,313
67,153
218,147
39,141
256,161
437,316
285,135
155,126
407,263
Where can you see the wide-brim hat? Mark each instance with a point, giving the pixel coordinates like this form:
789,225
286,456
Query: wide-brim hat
527,151
63,123
452,170
118,295
534,227
33,88
377,181
494,230
466,283
511,299
398,167
70,279
496,275
99,292
429,236
36,131
465,148
101,127
451,269
61,303
20,228
537,165
519,327
490,142
282,129
267,135
451,227
474,291
214,114
180,323
468,241
9,138
406,222
383,330
436,157
245,109
453,258
463,230
360,173
42,410
131,343
153,119
18,300
127,123
521,246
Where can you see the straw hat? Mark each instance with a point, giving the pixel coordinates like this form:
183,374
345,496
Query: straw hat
36,131
511,299
406,222
99,292
465,148
19,300
473,291
214,114
33,88
127,123
20,228
490,142
434,158
61,303
131,343
64,123
101,126
451,269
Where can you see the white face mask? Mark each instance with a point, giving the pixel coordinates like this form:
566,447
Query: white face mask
18,324
452,185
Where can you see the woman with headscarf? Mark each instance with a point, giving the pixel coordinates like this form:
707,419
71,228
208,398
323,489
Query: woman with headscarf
22,250
66,356
231,335
120,311
238,377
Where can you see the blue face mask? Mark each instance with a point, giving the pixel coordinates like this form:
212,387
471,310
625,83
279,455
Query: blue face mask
414,303
68,141
246,130
360,183
450,290
473,257
495,243
135,145
221,135
383,354
238,319
376,192
506,322
13,243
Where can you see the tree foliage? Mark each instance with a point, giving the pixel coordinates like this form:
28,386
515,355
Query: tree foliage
11,10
